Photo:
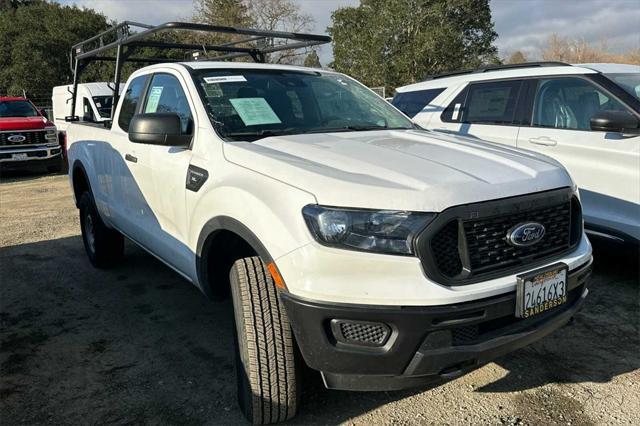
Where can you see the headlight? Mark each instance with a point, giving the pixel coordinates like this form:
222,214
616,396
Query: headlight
380,231
50,134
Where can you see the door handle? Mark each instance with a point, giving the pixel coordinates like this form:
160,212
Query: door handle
543,140
131,158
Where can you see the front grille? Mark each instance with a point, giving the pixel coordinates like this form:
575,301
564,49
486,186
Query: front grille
363,333
31,138
487,243
467,243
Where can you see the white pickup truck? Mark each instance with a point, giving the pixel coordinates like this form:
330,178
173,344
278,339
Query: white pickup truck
387,255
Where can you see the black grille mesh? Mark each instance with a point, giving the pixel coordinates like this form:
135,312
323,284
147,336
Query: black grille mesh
469,248
375,334
36,137
487,242
464,335
444,246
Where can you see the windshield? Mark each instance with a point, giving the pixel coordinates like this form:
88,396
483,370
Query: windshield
103,104
17,109
630,82
248,104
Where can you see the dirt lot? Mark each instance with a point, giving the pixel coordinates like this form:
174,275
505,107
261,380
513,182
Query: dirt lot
137,344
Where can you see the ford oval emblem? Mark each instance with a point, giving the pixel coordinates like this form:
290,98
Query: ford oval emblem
525,234
16,138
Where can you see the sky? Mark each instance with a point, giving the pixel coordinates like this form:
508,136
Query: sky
522,25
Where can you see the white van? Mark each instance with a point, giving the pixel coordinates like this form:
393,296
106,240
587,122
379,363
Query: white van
93,103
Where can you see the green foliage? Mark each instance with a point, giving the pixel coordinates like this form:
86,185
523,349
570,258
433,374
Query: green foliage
230,13
395,42
312,60
36,38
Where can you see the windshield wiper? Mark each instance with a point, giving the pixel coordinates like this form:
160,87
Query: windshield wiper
264,133
354,128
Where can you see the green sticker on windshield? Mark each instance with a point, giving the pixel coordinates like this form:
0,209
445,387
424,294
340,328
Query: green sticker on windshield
253,111
154,99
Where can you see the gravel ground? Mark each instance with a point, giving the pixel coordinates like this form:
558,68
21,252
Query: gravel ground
137,344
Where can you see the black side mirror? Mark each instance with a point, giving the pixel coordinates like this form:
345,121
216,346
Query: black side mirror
43,112
615,121
158,129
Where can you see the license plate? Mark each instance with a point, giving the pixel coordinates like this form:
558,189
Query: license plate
19,156
541,290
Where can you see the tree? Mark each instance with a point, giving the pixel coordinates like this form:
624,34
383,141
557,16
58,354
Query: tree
230,13
312,60
395,42
36,39
273,15
516,57
576,51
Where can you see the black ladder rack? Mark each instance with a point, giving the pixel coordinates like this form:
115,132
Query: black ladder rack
127,36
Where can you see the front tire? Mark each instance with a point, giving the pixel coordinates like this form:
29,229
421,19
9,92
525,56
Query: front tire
268,382
104,246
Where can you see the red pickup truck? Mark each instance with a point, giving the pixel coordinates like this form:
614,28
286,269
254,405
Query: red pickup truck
27,137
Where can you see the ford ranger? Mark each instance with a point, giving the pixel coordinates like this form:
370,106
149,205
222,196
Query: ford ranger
387,255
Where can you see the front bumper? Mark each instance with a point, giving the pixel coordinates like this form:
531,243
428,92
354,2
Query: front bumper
423,343
39,155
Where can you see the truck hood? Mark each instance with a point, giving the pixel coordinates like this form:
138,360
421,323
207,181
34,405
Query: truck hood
23,123
398,169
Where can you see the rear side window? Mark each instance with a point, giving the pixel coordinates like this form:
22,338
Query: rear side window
453,113
485,103
130,101
412,103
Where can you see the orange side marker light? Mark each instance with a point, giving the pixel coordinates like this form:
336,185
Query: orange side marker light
275,274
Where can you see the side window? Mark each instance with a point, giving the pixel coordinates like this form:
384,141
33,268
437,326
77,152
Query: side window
130,101
166,95
87,111
492,103
569,103
412,103
453,113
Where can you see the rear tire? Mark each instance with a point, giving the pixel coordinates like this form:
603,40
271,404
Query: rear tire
268,380
104,246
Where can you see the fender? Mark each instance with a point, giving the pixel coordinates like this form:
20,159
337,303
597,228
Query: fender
223,223
77,164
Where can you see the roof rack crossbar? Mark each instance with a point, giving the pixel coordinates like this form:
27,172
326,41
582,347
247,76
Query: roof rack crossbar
191,46
247,40
522,65
270,49
137,60
489,68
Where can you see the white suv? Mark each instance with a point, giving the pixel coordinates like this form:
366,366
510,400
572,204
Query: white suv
585,116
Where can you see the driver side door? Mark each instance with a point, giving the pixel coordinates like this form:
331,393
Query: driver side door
165,169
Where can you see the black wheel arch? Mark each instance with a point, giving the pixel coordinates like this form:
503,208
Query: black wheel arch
80,180
224,227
